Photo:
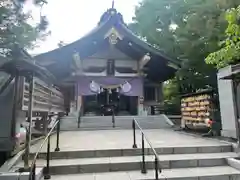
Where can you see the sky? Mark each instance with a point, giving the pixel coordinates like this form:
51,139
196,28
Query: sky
69,20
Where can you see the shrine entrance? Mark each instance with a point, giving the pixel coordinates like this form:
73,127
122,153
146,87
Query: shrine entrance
101,104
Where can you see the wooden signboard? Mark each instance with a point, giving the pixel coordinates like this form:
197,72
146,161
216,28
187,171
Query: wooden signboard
196,109
111,67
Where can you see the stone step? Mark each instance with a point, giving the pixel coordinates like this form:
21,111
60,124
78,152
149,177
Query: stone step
136,152
200,173
110,164
125,117
123,122
102,128
16,175
107,126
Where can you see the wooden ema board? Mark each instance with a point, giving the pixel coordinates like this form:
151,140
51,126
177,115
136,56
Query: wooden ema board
196,109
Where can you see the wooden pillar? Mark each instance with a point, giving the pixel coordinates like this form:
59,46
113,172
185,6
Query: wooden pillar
156,93
140,104
29,129
15,103
160,93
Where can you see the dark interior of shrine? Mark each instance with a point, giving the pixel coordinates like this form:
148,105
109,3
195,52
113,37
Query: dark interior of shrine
102,104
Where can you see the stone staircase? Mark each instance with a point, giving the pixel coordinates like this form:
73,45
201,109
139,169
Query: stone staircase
121,122
202,162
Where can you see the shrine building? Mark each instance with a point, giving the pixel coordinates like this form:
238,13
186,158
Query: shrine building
110,66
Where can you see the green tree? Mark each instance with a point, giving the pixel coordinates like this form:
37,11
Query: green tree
187,30
170,89
230,51
171,96
16,29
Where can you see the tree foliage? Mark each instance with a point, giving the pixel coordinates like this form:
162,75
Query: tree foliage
15,27
170,90
230,51
171,96
188,31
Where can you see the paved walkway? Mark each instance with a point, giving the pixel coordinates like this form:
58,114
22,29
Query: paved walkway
123,139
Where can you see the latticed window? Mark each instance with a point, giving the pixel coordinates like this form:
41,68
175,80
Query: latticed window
149,93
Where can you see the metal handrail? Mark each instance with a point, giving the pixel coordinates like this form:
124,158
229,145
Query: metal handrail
149,143
33,166
157,160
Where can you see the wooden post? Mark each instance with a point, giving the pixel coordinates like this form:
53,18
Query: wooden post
29,130
15,105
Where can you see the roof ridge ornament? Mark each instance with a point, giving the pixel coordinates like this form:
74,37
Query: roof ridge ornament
113,4
111,13
112,10
113,36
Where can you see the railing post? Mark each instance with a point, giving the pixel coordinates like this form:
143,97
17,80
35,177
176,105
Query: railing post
33,175
144,171
134,134
57,149
47,174
113,117
156,168
79,118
